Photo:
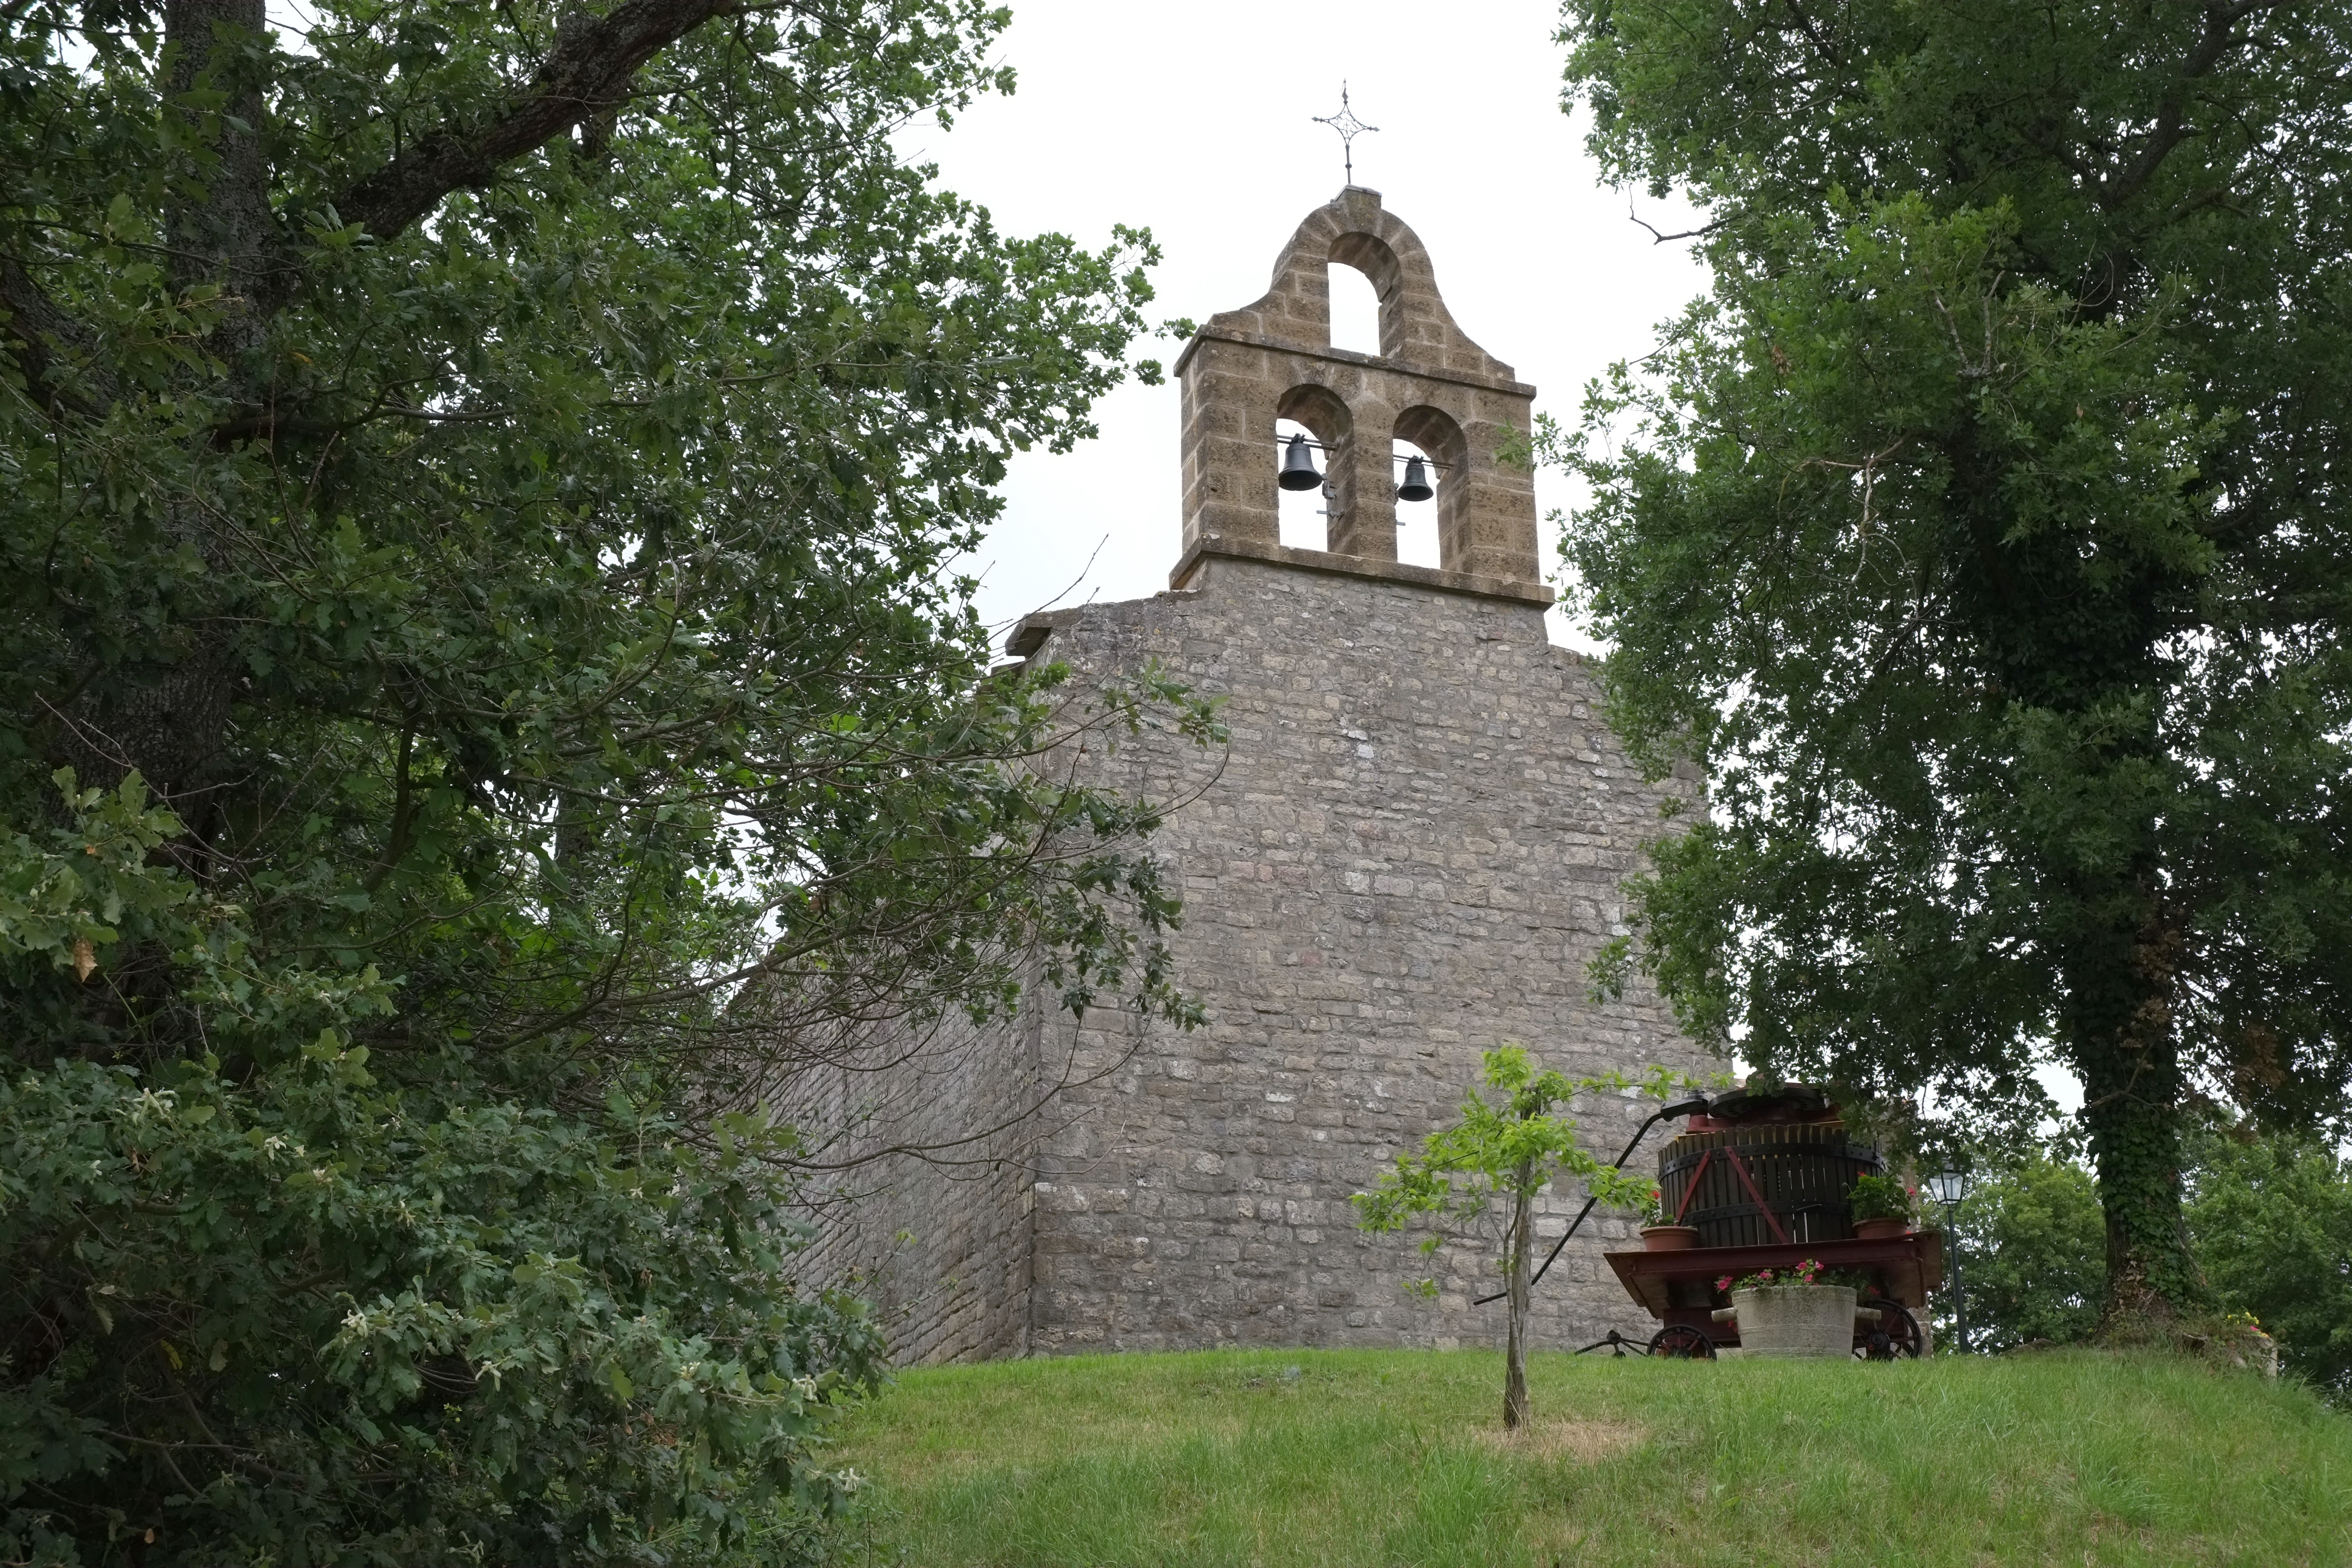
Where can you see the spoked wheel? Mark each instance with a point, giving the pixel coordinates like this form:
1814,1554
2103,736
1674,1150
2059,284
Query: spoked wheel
1681,1341
1894,1337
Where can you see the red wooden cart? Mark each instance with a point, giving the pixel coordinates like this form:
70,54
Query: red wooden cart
1759,1178
1679,1289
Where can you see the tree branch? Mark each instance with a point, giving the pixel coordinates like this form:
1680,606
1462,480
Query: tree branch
586,74
2171,120
1658,239
41,331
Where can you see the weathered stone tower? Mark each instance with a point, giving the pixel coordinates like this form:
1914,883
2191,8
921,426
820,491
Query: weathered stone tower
1410,855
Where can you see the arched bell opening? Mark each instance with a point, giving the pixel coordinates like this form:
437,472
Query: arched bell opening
1438,437
1369,256
1421,479
1355,309
1311,423
1300,510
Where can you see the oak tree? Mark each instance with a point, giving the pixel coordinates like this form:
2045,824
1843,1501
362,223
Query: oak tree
1983,533
481,488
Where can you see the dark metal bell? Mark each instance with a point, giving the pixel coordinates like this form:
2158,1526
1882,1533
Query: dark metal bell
1416,481
1298,467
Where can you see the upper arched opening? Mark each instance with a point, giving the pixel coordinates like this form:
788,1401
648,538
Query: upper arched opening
1372,272
1355,309
1353,232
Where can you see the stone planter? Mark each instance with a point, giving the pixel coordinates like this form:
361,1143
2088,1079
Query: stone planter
1798,1321
1669,1237
1880,1229
2243,1346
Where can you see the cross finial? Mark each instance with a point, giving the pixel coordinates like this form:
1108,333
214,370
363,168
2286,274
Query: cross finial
1348,127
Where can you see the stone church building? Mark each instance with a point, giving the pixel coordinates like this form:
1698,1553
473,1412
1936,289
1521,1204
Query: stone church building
1410,852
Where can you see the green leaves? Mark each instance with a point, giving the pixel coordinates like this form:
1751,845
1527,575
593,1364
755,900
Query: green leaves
339,1261
77,888
2034,1266
1509,1147
2272,1222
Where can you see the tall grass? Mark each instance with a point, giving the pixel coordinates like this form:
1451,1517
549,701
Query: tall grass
1330,1458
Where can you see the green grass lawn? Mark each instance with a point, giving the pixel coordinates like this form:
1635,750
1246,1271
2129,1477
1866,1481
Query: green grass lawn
1330,1458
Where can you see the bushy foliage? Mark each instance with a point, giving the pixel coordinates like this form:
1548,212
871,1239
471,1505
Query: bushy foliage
319,1312
2033,1256
2270,1222
478,489
2273,1219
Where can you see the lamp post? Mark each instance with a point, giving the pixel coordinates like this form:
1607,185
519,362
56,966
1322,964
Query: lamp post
1947,1188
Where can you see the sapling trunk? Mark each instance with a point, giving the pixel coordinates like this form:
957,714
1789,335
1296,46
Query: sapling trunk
1498,1150
1515,1354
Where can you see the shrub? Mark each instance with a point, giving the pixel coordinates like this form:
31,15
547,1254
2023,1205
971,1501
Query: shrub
1881,1197
2273,1223
2034,1256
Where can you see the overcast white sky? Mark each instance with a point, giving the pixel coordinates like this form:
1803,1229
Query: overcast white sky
1197,120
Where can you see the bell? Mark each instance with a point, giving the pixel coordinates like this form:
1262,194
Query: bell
1298,467
1416,481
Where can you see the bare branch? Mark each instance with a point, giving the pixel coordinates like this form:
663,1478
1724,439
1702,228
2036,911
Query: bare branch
1658,239
2171,123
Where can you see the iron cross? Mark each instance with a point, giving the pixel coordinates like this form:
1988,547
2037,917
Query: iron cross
1348,127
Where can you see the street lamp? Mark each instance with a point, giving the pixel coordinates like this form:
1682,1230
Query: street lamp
1947,1188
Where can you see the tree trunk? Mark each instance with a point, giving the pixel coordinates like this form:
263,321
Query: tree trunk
1515,1354
2068,645
163,709
2121,1038
222,229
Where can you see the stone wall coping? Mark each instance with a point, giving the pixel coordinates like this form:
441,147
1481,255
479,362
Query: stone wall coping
1036,627
1350,356
1209,544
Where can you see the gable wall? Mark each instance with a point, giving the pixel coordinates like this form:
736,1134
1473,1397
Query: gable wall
1410,854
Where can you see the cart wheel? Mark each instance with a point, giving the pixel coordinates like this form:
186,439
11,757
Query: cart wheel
1894,1337
1682,1341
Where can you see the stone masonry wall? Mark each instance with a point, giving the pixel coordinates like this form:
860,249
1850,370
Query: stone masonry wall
936,1235
1410,853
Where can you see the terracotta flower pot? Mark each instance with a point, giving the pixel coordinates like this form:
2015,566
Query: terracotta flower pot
1880,1229
1669,1237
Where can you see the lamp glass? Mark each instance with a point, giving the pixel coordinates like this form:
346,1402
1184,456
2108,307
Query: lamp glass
1947,1186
